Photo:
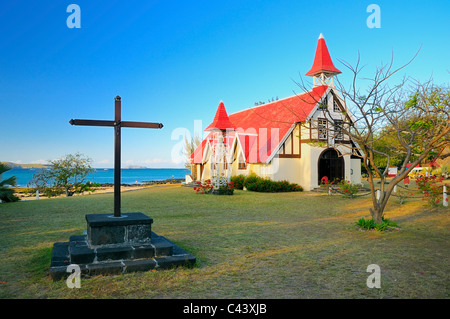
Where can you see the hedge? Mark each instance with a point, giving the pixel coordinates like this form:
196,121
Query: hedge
259,184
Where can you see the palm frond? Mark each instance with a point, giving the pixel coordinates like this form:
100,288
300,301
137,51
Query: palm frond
9,181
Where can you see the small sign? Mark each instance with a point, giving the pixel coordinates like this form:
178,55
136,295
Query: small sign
392,171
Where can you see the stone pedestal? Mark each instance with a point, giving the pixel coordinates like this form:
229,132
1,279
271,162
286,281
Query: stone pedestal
115,245
129,229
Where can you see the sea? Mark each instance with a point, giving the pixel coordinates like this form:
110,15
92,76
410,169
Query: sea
106,175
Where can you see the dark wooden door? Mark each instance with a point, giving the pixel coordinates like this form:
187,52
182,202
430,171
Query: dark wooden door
331,165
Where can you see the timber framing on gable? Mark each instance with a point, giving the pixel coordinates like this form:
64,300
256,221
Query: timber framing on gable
288,151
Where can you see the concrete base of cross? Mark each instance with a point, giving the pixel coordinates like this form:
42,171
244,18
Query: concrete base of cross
117,245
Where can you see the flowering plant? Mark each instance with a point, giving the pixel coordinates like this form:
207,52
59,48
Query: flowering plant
204,188
226,189
207,187
324,182
348,188
431,191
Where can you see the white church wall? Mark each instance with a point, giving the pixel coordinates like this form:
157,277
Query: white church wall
308,166
281,169
206,171
347,168
355,166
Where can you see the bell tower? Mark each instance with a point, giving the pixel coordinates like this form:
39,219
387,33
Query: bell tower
219,161
323,68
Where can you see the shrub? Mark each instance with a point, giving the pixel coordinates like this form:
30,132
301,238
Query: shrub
251,183
370,224
227,189
348,188
208,188
259,184
238,181
430,188
204,188
251,180
88,187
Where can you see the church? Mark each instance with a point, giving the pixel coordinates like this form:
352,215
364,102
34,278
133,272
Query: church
299,138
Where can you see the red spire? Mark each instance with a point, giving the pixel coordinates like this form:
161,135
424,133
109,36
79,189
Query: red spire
322,60
221,120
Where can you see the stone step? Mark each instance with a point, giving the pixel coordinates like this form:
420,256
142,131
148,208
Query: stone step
81,253
116,260
114,245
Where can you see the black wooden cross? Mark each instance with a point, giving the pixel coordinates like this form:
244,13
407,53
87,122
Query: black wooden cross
117,124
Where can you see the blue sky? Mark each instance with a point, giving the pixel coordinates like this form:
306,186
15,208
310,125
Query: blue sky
173,61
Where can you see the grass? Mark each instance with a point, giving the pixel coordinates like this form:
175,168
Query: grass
249,245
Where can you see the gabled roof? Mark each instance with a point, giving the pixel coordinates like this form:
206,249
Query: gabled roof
322,60
261,129
221,120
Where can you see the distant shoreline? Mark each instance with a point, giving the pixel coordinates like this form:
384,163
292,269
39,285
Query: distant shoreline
101,176
143,184
14,165
103,189
31,165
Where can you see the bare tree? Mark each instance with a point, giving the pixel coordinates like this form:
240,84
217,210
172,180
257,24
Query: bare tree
416,114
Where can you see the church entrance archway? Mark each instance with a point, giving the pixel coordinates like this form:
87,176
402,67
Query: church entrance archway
331,165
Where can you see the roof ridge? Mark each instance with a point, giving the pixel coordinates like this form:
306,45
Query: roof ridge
265,104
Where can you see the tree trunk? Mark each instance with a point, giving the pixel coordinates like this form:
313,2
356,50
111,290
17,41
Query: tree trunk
377,214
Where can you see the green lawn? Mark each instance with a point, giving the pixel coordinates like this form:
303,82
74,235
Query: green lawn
249,245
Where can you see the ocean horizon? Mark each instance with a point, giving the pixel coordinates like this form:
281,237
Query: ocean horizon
106,175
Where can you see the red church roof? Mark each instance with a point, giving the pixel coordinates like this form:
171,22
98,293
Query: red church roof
261,129
221,120
322,60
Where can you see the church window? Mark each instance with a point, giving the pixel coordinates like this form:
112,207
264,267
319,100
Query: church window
336,107
322,129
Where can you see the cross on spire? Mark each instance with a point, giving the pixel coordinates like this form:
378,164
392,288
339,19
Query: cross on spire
117,124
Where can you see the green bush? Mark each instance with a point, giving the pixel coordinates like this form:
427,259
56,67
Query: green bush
349,189
88,187
238,181
251,180
370,224
259,184
224,189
